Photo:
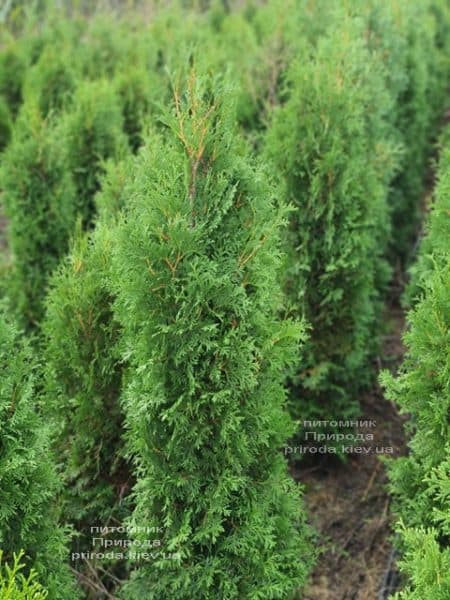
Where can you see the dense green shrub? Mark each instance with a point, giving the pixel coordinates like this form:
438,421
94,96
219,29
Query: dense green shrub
84,366
162,320
104,45
410,38
28,478
5,124
52,80
84,380
328,144
136,90
39,199
419,482
426,564
93,131
84,371
12,73
195,268
15,586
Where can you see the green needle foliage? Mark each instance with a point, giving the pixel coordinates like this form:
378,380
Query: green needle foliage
413,41
415,123
420,481
15,586
136,90
39,200
5,124
51,82
329,147
28,480
84,380
195,269
426,564
12,73
84,371
94,131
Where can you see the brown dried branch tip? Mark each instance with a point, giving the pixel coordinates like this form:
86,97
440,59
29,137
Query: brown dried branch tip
193,136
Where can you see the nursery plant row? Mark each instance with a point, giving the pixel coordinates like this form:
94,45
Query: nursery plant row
203,208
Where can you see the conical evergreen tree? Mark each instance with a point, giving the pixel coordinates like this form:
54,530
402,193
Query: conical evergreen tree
329,147
84,371
195,270
51,82
40,203
12,73
94,132
28,481
419,482
84,375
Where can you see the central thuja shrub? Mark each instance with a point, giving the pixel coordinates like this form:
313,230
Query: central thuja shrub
327,145
196,276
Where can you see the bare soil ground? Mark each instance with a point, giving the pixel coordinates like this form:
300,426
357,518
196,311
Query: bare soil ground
349,502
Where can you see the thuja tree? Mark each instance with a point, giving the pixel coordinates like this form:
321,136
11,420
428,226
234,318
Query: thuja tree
84,371
84,379
409,34
93,133
12,72
51,82
419,482
29,483
137,90
195,270
328,145
107,41
39,199
433,241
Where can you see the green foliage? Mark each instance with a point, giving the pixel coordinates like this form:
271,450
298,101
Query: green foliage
15,586
438,91
84,380
420,481
12,73
434,242
163,314
426,565
84,371
235,47
5,124
94,131
28,480
134,88
329,146
51,81
410,38
106,43
195,268
39,200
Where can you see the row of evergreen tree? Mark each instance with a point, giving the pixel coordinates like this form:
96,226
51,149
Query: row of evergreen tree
420,481
164,184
